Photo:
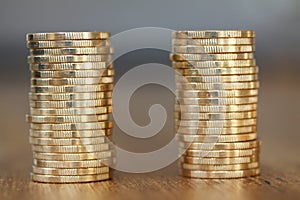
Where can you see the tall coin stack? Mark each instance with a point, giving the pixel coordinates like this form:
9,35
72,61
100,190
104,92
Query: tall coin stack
70,102
217,92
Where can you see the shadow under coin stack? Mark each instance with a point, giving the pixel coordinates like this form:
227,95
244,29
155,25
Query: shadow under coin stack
217,90
70,102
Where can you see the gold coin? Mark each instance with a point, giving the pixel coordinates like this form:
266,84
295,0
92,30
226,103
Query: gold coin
70,134
215,93
217,138
70,172
70,149
217,124
68,43
66,119
233,167
72,126
72,164
209,109
220,146
66,141
73,73
219,161
221,174
216,131
210,57
219,153
70,111
69,96
71,104
217,71
69,179
215,116
213,41
70,66
214,64
70,81
218,86
213,49
72,51
69,58
72,89
216,79
214,34
72,156
218,101
68,36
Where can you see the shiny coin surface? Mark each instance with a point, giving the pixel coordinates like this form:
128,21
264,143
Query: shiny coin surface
67,36
215,116
69,179
233,167
217,138
217,123
70,66
221,174
70,134
68,43
71,81
71,74
219,153
70,172
219,161
213,49
72,156
70,149
215,108
72,126
214,34
214,63
69,58
69,96
216,131
218,86
67,119
216,79
215,93
71,104
209,57
72,89
220,146
72,51
72,164
213,41
66,141
218,101
70,111
217,71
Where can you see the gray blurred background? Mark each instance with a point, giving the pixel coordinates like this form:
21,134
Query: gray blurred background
277,23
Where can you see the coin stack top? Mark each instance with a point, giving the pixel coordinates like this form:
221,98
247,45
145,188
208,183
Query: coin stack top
217,93
70,102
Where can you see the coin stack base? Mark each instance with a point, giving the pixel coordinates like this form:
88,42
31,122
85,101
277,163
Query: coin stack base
70,103
217,93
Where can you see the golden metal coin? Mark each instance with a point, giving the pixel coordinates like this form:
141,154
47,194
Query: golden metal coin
214,34
68,36
217,138
70,149
72,126
214,64
72,164
215,116
221,174
72,156
217,71
66,119
218,101
216,108
69,96
71,104
66,141
70,81
72,51
70,66
220,146
213,41
70,172
213,49
70,134
69,58
219,161
67,43
73,73
216,79
70,111
209,57
217,124
215,93
216,131
233,167
72,89
218,86
69,179
219,153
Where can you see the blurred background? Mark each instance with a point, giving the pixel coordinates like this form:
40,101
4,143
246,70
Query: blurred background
277,23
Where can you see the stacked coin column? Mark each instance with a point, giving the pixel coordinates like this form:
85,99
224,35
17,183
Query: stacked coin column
70,102
217,90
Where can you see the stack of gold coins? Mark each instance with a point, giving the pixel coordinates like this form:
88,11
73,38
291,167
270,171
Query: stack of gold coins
217,92
70,103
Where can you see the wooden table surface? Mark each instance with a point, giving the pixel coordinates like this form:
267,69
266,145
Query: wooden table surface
279,114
